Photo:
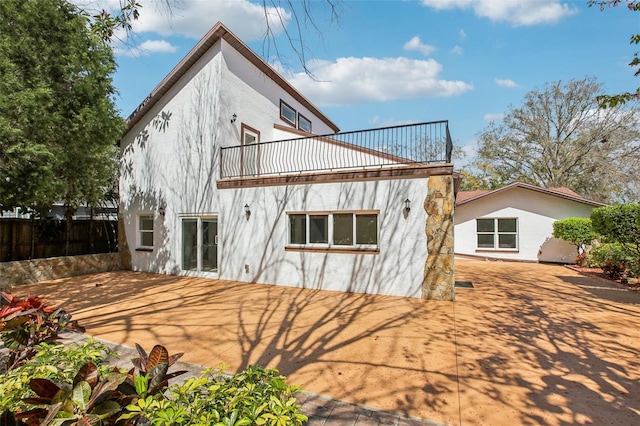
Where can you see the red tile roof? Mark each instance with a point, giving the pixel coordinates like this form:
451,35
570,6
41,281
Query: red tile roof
464,197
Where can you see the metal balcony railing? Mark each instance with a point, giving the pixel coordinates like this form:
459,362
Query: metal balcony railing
424,143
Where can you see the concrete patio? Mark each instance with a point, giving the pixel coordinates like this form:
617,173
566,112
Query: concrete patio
530,344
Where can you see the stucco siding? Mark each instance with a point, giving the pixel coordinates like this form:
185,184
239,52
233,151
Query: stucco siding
243,70
535,212
254,248
170,161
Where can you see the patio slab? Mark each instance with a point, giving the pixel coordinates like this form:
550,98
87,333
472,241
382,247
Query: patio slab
529,344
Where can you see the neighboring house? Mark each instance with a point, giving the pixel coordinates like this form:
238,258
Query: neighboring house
224,175
515,222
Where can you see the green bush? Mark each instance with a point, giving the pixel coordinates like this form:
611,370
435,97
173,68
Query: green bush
576,230
71,385
58,363
620,224
613,256
256,396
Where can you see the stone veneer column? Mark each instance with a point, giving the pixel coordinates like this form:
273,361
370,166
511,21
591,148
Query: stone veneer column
123,247
438,283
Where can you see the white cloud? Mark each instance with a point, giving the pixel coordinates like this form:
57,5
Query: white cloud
349,81
517,13
389,122
493,117
505,82
416,44
462,35
458,50
148,47
194,18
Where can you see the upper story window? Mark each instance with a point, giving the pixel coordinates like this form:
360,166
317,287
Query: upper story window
145,231
497,234
291,116
287,113
304,124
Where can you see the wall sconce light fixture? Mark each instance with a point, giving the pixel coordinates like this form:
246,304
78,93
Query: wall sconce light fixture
233,118
247,211
162,208
407,205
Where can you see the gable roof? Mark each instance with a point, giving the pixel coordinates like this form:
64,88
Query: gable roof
220,32
562,192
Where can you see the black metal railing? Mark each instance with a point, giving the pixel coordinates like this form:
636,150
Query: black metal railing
424,143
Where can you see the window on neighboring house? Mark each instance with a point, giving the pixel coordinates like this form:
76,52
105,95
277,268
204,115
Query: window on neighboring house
304,124
287,113
497,234
145,229
339,229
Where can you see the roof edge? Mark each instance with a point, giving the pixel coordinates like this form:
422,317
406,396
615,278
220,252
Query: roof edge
528,186
219,32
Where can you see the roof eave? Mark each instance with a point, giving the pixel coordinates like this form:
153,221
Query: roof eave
534,188
219,31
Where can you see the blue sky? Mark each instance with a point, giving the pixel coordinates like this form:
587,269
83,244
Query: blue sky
396,62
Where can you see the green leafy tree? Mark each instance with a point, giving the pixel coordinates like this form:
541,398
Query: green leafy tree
619,224
576,230
560,137
621,98
58,121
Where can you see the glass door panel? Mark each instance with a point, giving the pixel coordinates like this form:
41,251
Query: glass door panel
190,244
210,245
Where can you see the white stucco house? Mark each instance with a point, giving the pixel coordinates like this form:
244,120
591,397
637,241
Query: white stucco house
228,172
515,222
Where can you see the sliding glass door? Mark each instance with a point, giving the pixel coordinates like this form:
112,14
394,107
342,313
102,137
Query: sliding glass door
200,244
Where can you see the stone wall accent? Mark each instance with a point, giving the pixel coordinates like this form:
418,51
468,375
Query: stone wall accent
123,246
35,270
439,279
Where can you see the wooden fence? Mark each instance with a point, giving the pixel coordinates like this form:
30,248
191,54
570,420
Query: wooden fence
22,239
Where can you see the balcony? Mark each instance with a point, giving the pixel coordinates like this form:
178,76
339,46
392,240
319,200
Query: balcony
415,144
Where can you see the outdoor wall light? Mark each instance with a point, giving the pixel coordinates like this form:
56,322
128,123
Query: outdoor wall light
407,205
162,208
233,118
247,211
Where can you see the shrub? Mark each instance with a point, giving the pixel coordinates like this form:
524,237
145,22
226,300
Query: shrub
27,322
615,259
90,393
576,230
58,363
620,224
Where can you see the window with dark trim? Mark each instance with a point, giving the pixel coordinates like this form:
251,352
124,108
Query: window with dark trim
287,113
145,231
336,229
497,233
304,124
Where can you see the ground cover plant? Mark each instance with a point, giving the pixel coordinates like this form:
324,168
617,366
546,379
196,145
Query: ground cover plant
74,385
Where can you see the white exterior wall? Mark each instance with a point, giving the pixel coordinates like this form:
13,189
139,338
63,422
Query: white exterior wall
240,72
536,213
173,163
259,242
171,160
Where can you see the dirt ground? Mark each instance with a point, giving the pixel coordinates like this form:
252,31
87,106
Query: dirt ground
530,344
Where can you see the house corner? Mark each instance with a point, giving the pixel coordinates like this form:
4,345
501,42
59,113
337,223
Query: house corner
439,279
123,247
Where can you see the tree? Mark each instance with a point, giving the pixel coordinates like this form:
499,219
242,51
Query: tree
304,17
58,121
560,138
619,224
576,230
621,98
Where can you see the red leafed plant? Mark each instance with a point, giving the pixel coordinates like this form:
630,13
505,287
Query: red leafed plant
26,322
